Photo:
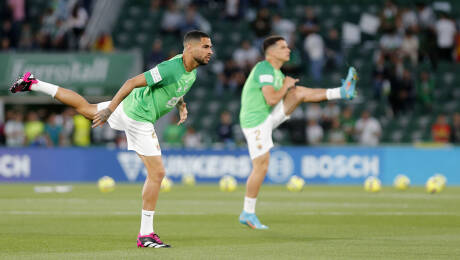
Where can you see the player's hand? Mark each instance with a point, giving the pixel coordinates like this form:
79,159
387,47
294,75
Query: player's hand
101,117
289,82
182,113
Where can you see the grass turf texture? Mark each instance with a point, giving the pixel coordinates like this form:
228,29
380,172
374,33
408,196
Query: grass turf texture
322,222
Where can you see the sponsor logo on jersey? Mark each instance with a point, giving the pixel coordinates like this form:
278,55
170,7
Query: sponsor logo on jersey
155,75
266,78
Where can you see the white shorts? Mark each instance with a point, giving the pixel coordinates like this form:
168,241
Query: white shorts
259,138
141,136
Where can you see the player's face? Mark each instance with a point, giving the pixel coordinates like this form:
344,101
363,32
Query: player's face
202,51
281,51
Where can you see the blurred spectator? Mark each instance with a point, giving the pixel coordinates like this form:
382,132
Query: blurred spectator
104,135
231,78
330,112
334,53
156,55
155,6
53,131
426,17
314,112
17,8
440,131
310,23
336,134
314,132
402,93
457,47
314,47
6,32
5,44
192,139
82,131
67,126
104,43
120,140
26,42
390,41
348,124
425,89
388,15
194,21
262,26
225,128
455,133
14,129
381,75
173,134
60,39
368,130
283,27
445,30
409,47
77,22
172,19
246,56
34,129
409,19
232,10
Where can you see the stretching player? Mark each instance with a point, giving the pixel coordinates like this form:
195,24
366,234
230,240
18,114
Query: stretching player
268,99
135,107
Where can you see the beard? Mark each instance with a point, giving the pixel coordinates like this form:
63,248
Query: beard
201,61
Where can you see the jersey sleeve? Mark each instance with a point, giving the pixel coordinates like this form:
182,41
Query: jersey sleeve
158,74
264,75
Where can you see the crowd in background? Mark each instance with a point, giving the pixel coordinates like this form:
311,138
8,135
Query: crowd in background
412,42
59,27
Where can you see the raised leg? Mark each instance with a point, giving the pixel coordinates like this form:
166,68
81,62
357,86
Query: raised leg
73,99
299,95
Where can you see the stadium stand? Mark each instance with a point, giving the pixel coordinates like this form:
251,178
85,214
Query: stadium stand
393,95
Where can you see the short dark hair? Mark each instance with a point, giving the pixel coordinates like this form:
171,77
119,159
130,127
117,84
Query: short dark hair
271,40
195,35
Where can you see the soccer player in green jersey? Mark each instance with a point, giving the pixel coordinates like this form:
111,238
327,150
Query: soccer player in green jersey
135,107
268,99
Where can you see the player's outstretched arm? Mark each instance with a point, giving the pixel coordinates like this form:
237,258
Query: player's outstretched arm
132,83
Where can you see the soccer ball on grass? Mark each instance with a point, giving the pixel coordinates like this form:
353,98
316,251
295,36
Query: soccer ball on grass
188,180
433,185
372,184
295,184
106,184
401,182
228,183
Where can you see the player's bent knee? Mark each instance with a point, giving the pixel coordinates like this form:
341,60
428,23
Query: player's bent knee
298,95
157,175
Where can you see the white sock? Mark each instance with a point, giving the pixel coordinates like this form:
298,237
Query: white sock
147,222
333,93
45,87
250,205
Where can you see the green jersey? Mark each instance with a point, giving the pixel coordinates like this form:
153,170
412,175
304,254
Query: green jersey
166,84
254,108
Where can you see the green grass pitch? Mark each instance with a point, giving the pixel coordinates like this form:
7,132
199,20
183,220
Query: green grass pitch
321,222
